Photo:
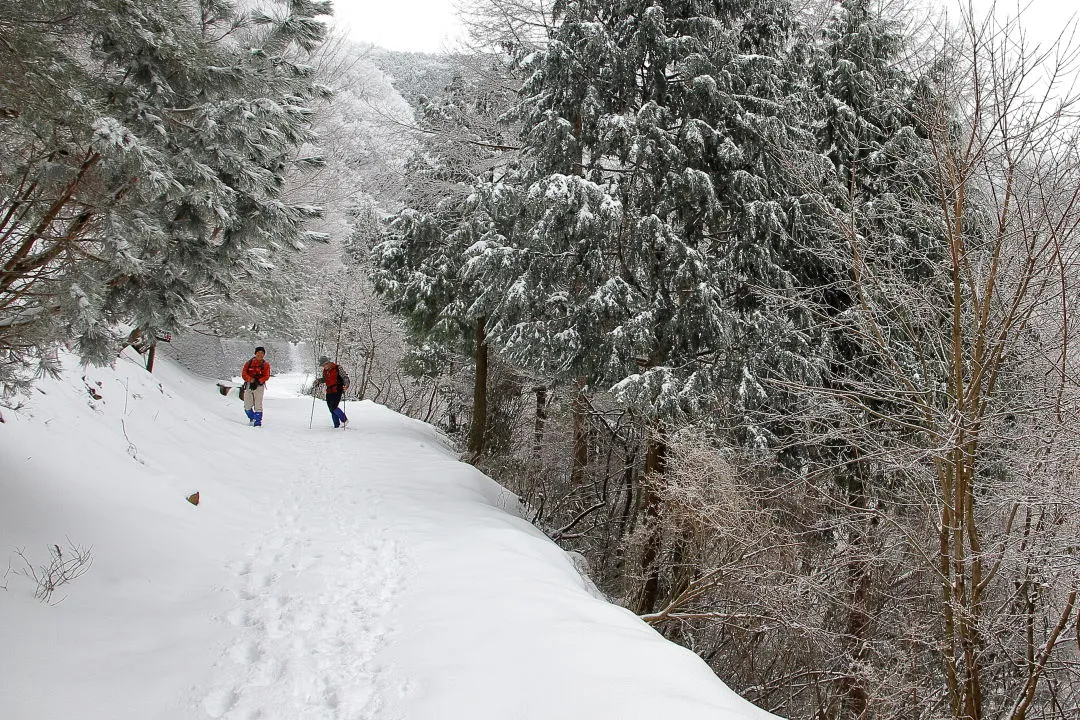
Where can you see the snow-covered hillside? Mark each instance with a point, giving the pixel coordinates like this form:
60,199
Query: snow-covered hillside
363,574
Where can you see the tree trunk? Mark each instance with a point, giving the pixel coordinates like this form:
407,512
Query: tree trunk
579,408
541,419
478,429
151,354
655,464
369,368
854,696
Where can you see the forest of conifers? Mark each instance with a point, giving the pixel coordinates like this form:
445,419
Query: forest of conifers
762,307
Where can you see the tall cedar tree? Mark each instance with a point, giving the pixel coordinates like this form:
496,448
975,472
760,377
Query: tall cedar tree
655,212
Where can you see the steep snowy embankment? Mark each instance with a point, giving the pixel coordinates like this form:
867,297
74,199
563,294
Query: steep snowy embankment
361,574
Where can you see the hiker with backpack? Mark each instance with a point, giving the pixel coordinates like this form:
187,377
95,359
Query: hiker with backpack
255,374
337,382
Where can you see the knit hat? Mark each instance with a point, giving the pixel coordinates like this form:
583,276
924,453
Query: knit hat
323,360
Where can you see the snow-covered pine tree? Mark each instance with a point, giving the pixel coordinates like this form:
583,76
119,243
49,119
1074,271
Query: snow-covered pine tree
654,212
419,268
653,200
145,149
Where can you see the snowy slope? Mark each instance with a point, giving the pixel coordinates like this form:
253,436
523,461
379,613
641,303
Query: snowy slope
362,574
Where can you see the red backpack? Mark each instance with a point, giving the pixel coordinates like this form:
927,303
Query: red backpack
336,378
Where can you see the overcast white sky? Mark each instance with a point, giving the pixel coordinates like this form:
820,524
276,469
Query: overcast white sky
413,25
431,25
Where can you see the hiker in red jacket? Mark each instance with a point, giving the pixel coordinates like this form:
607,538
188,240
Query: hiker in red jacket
337,382
255,374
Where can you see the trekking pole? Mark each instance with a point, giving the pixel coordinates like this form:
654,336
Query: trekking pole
315,349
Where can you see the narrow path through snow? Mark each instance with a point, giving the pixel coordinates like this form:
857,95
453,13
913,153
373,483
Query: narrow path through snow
310,620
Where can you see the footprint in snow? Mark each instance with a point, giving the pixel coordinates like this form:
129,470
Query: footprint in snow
219,702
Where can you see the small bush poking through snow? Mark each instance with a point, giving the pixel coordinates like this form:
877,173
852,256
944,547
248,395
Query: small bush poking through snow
63,566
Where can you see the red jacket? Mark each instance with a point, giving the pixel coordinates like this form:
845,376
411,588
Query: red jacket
335,377
255,369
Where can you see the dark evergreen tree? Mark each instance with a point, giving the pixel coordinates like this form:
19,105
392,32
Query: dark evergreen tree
658,209
145,148
655,208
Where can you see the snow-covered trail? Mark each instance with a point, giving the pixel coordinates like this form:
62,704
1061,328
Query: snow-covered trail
314,588
358,574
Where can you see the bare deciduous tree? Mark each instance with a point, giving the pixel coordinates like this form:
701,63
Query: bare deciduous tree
962,396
